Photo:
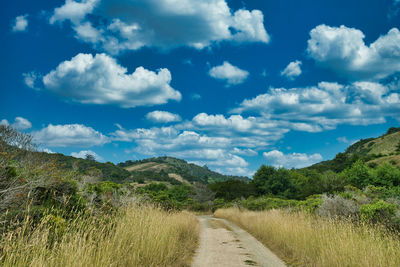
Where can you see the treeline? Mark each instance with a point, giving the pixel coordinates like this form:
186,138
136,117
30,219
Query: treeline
361,191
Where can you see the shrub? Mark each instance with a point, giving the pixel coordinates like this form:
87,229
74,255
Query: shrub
358,174
337,206
378,212
386,175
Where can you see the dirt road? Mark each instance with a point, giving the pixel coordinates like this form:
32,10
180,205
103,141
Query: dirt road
224,244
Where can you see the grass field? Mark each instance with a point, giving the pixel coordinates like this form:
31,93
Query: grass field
303,240
139,236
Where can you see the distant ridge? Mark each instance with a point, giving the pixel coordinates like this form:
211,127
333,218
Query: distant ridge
374,150
177,169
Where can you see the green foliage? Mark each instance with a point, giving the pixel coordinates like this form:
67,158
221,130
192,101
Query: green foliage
386,175
232,189
379,211
175,197
358,174
103,187
188,171
267,203
271,181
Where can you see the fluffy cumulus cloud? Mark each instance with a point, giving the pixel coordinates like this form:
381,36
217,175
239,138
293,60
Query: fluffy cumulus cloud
326,105
344,51
293,70
293,160
100,79
82,154
19,123
229,73
163,116
131,25
20,24
69,135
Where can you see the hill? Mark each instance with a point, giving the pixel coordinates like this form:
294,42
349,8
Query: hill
169,168
385,144
165,169
374,151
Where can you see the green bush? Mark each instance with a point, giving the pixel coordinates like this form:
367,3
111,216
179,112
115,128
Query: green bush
378,212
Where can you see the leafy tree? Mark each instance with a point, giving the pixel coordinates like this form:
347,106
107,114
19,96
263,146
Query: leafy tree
271,181
232,189
90,157
386,175
358,174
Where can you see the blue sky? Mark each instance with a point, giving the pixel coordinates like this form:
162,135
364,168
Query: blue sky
230,84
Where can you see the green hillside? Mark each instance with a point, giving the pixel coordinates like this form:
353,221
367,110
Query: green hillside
385,144
163,169
374,151
178,169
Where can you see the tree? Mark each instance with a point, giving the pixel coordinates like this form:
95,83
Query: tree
269,180
358,174
232,189
90,157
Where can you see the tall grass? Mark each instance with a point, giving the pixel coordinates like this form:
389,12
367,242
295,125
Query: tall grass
303,240
139,236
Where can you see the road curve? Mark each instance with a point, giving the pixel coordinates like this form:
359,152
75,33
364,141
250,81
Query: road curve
223,243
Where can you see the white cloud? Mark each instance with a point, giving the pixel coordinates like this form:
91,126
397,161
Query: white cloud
293,70
19,123
76,135
4,122
195,96
343,50
215,151
100,79
235,121
82,154
293,160
244,152
163,116
20,23
73,11
229,73
326,105
131,25
30,79
47,151
343,139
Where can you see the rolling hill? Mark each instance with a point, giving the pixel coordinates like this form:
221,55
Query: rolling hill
374,151
168,168
163,169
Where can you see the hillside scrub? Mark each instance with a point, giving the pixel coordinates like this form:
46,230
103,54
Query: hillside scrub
135,236
304,240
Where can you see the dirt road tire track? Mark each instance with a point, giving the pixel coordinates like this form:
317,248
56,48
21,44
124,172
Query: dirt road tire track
223,243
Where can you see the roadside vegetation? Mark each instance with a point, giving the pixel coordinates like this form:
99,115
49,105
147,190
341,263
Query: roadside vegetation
304,240
51,215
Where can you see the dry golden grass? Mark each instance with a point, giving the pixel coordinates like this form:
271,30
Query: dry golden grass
306,241
140,236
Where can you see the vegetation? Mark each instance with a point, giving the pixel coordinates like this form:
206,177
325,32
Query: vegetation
51,203
188,171
58,216
135,236
304,240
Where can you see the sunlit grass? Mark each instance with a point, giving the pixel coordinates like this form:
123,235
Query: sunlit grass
139,236
303,240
